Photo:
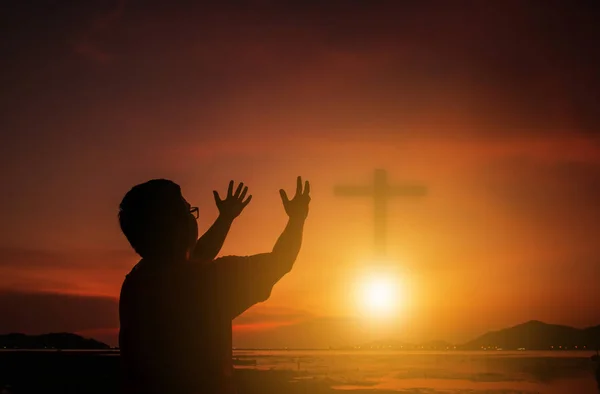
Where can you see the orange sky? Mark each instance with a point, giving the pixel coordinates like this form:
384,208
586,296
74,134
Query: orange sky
505,141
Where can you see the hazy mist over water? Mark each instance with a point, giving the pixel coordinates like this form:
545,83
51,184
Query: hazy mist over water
436,372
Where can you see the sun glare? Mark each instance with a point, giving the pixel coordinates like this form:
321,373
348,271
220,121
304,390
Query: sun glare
379,295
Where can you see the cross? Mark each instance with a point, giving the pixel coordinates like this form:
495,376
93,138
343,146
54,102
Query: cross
380,190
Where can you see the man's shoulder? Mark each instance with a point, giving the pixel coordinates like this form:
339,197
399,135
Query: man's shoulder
240,267
234,263
235,258
230,257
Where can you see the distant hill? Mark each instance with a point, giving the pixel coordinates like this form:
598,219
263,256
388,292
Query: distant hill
533,335
592,335
49,341
536,335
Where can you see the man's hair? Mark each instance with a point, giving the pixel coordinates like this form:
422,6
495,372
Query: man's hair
152,216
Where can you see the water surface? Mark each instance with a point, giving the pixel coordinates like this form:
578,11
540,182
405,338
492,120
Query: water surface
435,372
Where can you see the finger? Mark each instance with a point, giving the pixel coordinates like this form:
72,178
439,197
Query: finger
306,188
284,196
238,190
217,197
299,186
241,197
230,189
247,201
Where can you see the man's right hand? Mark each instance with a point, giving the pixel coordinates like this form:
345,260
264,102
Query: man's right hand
297,207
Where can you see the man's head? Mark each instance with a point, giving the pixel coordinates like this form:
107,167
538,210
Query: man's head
157,220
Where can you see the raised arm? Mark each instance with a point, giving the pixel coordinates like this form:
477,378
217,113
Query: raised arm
288,245
249,280
209,245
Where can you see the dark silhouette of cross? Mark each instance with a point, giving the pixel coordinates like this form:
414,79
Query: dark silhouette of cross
380,190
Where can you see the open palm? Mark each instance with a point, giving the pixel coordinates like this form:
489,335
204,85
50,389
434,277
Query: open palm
297,207
234,203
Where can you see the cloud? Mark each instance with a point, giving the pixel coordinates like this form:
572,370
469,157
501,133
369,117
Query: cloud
88,44
261,313
97,317
37,312
78,271
199,92
318,331
89,51
559,196
267,318
388,63
33,259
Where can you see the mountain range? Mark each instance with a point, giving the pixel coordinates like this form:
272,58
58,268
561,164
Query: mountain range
63,340
532,335
536,335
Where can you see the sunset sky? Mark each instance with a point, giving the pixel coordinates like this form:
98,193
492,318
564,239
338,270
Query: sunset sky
494,106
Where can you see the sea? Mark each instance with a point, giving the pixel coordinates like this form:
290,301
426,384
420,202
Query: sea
332,372
543,372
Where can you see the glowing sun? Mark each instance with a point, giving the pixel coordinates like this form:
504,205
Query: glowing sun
379,295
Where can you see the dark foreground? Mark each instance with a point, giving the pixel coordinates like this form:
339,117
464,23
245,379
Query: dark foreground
71,371
82,372
320,373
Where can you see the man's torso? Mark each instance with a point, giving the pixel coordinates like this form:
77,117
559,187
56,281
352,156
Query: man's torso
175,329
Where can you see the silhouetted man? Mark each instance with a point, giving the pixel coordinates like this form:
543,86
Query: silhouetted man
596,358
177,303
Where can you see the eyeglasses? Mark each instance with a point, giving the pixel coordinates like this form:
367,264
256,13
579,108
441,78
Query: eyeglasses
195,211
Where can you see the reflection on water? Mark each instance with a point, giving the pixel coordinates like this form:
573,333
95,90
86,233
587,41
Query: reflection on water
437,372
